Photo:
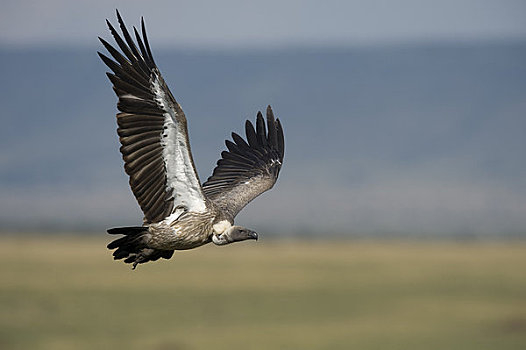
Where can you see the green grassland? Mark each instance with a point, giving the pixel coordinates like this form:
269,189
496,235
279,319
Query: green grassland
65,292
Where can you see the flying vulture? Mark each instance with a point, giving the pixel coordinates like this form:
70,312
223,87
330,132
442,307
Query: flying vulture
180,212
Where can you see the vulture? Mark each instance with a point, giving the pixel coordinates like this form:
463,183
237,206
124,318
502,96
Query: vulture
180,212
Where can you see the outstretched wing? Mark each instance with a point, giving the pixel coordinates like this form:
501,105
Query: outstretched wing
247,169
152,130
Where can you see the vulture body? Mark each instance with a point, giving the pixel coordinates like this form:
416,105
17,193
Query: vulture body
180,212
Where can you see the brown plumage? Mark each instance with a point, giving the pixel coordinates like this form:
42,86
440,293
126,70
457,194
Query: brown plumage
179,212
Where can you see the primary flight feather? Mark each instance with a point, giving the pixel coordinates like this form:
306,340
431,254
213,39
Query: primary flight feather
180,212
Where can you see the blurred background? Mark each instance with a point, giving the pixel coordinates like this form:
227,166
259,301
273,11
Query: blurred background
400,117
403,119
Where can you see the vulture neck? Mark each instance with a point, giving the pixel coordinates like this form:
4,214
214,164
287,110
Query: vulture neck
221,227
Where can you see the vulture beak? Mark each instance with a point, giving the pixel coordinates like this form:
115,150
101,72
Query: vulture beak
253,235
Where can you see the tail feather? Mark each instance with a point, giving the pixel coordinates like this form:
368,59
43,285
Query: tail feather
133,248
127,230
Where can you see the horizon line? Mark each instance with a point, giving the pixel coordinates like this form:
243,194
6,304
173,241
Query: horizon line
276,47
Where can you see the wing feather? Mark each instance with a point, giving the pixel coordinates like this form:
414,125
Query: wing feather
260,130
251,134
249,167
152,129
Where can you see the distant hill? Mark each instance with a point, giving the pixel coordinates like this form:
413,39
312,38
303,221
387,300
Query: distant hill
420,139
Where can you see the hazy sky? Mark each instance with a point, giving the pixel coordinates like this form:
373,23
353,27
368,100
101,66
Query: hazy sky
231,23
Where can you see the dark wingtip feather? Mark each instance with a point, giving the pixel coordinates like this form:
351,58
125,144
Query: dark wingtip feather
113,52
121,21
251,134
144,53
231,146
280,139
110,76
239,141
128,48
271,128
146,43
260,130
103,57
108,62
136,55
112,29
270,114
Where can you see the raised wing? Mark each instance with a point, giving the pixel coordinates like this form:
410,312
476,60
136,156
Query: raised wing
152,130
247,169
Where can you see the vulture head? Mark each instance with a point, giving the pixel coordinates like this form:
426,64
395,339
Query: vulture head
234,234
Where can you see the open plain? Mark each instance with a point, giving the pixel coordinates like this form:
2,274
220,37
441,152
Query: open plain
66,292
